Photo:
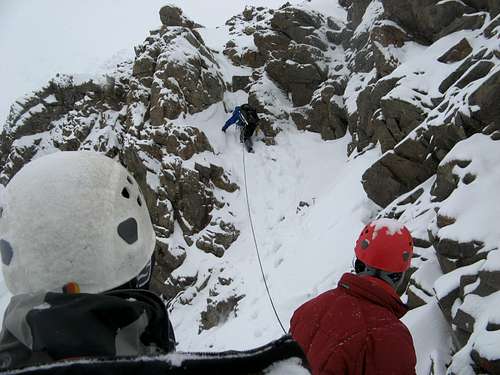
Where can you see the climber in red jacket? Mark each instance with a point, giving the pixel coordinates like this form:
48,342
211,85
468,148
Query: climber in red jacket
355,328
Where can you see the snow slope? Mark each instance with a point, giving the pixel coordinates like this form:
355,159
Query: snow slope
305,195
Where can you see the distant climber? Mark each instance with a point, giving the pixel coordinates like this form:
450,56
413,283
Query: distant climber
355,328
247,119
77,243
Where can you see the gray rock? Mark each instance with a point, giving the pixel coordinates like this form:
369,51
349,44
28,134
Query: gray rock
425,19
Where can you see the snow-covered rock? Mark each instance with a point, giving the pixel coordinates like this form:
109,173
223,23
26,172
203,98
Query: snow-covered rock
368,108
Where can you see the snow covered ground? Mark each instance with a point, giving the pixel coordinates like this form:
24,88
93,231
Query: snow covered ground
305,195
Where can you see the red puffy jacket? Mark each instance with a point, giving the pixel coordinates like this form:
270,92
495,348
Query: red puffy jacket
355,330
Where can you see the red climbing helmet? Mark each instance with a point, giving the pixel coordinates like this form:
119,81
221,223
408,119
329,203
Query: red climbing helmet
385,244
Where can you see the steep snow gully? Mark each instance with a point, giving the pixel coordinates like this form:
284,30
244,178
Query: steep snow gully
365,113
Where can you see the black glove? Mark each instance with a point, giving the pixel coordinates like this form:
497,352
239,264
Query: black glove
224,130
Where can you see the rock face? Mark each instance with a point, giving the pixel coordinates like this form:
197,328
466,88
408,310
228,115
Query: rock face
167,83
291,45
417,80
434,140
133,115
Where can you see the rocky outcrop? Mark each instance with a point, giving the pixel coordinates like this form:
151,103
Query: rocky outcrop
133,115
425,19
167,83
395,75
172,16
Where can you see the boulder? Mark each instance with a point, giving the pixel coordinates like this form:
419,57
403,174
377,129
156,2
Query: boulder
240,83
272,45
187,84
356,12
486,364
296,23
478,71
486,98
252,58
325,115
425,19
389,35
181,141
217,312
304,53
446,181
466,22
218,238
172,16
393,175
217,176
301,80
192,201
368,103
456,53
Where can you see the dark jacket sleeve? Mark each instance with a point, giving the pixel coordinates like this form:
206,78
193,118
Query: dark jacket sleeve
234,118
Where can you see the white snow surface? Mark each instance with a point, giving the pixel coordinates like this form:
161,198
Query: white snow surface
305,248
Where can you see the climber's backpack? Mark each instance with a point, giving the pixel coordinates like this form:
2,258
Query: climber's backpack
249,113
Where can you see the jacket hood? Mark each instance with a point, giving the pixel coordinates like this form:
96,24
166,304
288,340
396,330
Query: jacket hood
375,291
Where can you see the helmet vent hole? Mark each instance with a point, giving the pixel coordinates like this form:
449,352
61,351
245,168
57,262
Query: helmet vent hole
125,193
139,202
6,252
127,230
365,244
406,256
130,181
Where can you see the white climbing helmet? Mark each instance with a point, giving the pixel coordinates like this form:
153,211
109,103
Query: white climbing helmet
73,217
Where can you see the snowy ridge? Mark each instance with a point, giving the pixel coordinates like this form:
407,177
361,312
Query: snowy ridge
364,116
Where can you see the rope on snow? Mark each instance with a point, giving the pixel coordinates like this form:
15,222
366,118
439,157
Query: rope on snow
255,243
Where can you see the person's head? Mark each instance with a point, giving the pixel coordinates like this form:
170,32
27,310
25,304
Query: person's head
384,250
76,218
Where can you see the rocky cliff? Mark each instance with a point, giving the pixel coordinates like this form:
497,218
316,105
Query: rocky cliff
419,80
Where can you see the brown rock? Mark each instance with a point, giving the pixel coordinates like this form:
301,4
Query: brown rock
388,35
456,53
446,182
486,97
424,19
484,363
240,83
218,312
272,44
299,79
296,23
466,22
173,16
